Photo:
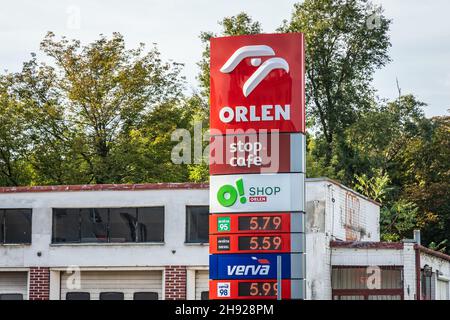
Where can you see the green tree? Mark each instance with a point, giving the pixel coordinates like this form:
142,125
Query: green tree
425,167
14,170
344,47
398,220
83,104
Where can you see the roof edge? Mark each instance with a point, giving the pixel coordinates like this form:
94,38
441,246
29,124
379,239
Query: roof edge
105,187
366,245
434,253
344,187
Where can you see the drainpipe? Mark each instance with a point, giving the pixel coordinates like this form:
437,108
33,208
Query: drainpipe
417,251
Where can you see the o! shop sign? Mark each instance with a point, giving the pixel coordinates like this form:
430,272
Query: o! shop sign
257,193
257,82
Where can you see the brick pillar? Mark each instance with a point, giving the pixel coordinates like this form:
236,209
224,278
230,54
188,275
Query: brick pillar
39,283
175,279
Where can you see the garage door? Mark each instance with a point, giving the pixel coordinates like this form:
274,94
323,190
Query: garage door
201,285
114,285
13,285
442,290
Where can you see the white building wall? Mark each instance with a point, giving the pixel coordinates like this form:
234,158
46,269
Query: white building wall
318,278
325,221
440,266
174,251
366,257
409,271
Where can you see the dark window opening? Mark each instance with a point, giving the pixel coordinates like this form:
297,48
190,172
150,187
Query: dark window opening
2,226
111,296
100,225
15,226
197,224
66,225
122,224
425,285
145,296
94,225
150,226
78,296
11,296
204,295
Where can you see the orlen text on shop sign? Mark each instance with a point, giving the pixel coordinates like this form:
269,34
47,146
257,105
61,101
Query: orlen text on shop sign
257,82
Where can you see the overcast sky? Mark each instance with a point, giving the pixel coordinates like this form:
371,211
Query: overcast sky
420,34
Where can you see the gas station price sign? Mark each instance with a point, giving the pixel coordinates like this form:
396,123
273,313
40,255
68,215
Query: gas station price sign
271,243
258,289
256,243
266,223
257,167
257,223
253,289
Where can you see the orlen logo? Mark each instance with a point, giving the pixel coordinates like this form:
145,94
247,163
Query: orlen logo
261,269
263,70
257,82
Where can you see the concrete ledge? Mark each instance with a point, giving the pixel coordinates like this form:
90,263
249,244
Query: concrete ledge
366,245
106,244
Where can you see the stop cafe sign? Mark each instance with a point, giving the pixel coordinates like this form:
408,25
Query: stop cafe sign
257,82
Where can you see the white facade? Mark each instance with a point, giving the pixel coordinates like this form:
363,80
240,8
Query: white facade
333,213
172,252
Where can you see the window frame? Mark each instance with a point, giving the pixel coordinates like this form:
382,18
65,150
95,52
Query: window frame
143,293
82,293
163,224
3,225
54,226
121,294
187,240
108,226
2,295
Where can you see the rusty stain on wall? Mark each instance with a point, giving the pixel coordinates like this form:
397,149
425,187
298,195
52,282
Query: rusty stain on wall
352,217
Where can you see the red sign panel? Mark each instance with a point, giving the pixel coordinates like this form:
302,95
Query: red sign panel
250,243
254,223
248,289
257,82
256,153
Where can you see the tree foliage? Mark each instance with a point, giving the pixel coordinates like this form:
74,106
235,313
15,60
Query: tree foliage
342,52
102,113
96,114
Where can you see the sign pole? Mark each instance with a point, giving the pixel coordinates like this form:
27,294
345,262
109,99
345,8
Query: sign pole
279,289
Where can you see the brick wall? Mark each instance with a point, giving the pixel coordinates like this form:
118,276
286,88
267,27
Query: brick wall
175,279
39,283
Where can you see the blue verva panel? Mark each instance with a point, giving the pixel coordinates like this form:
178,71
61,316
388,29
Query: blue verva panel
248,266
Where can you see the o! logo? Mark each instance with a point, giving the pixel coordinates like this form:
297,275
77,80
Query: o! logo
228,194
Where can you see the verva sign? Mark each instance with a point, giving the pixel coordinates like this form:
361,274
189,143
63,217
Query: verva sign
256,266
257,82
